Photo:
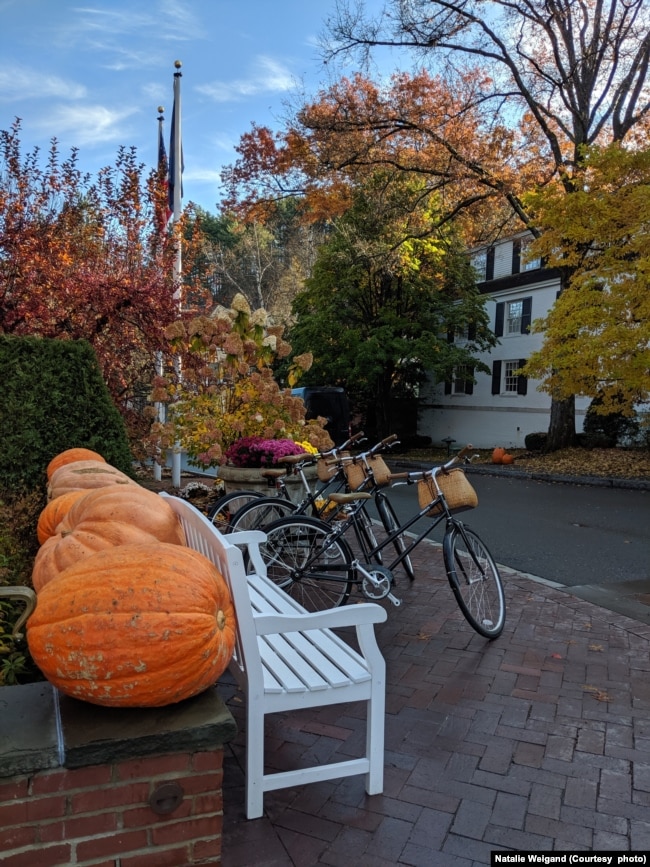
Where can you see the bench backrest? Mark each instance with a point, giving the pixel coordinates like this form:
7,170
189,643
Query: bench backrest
203,536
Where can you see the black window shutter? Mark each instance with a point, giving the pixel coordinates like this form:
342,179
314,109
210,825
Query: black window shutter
489,264
516,257
522,381
496,377
526,315
498,320
471,331
450,335
447,386
469,382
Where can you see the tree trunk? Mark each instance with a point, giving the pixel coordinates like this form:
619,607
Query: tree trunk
562,427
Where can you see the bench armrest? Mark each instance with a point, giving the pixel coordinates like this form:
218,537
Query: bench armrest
354,615
251,539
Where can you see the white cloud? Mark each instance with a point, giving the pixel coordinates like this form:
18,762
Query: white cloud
210,176
267,76
23,83
87,125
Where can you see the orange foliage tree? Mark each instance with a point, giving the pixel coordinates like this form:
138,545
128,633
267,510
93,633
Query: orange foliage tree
517,90
85,259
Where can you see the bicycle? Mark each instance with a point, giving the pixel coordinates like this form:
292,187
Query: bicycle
229,511
257,514
313,562
367,472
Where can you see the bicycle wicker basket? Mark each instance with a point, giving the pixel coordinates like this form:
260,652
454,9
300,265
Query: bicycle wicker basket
458,492
326,471
356,474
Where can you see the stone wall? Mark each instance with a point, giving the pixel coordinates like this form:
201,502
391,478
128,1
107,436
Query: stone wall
87,785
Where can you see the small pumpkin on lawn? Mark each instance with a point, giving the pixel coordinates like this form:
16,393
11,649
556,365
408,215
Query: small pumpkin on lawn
69,456
508,459
134,626
103,518
85,475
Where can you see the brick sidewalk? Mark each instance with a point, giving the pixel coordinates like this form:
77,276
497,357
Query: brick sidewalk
538,740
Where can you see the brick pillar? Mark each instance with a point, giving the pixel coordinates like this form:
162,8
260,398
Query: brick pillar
86,785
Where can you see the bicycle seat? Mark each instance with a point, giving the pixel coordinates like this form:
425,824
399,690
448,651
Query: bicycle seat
342,499
273,474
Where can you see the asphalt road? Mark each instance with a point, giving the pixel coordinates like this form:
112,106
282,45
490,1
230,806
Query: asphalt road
594,540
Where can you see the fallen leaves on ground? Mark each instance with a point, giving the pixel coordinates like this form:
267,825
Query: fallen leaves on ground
609,463
599,463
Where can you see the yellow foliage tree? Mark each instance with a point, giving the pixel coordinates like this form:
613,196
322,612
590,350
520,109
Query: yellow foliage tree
597,335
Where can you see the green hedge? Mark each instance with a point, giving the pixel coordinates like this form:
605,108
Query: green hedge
52,398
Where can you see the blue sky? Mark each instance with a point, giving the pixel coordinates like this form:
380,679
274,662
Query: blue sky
93,72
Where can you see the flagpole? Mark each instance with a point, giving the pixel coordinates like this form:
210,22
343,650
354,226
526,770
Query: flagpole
160,407
176,170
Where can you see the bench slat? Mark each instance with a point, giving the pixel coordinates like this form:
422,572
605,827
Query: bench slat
319,650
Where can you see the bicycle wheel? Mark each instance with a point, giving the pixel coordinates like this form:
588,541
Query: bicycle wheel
256,514
222,511
475,580
390,522
313,568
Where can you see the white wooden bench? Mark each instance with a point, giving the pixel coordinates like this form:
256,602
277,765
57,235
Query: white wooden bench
287,658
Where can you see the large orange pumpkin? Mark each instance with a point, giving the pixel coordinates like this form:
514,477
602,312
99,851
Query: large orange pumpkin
85,475
116,515
497,455
54,513
69,456
134,626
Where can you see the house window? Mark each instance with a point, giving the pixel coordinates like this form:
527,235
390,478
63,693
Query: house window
513,317
479,263
514,312
510,378
462,381
505,380
528,264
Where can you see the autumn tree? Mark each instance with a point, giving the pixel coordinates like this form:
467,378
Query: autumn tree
597,336
507,96
551,78
81,258
265,259
384,295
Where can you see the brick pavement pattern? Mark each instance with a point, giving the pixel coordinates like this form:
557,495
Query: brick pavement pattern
539,740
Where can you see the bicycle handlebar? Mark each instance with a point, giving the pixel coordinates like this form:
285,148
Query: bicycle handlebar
291,460
355,459
411,476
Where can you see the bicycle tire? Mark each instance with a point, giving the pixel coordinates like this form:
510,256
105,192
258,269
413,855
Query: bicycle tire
256,514
475,581
391,523
299,558
223,510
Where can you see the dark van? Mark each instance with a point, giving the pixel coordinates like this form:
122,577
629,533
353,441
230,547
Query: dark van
330,402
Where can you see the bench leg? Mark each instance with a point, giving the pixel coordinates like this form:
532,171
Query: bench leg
375,739
254,761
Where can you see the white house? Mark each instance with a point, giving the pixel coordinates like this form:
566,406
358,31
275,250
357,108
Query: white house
500,408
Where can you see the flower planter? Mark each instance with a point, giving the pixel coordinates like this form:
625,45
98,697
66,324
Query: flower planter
251,479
